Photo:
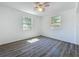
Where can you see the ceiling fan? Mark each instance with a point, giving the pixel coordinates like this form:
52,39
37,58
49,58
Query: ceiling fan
40,6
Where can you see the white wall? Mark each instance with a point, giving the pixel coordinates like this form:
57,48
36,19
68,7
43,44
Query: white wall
77,28
66,32
77,23
11,25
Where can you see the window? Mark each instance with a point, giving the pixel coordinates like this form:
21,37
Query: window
27,23
56,21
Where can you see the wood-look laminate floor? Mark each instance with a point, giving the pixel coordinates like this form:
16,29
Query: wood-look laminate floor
41,47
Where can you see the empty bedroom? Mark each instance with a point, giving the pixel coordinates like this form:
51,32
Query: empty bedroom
39,29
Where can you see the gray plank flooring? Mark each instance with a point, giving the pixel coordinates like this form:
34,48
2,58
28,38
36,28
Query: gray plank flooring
44,47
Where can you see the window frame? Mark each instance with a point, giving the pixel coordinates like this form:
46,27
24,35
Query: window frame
26,18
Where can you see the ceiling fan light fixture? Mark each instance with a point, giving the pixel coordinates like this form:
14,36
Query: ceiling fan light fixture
41,6
40,9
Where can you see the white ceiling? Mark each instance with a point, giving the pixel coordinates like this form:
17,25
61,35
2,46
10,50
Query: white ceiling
55,7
